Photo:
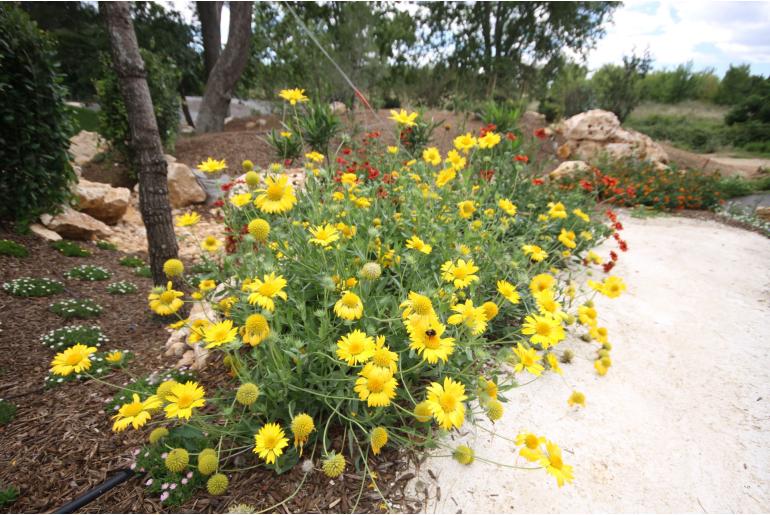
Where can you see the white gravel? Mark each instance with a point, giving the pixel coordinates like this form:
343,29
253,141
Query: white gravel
681,423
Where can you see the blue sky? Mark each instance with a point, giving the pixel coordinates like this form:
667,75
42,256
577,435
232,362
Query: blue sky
710,34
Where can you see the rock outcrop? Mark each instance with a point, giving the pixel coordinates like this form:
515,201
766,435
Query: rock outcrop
569,169
75,225
183,187
84,146
102,201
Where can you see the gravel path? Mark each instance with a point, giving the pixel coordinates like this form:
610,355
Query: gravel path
681,423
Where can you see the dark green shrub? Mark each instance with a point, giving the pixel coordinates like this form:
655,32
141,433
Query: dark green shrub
7,412
65,337
36,174
8,495
319,126
131,261
122,288
11,248
504,115
106,245
416,137
70,248
88,273
163,80
287,144
76,308
33,287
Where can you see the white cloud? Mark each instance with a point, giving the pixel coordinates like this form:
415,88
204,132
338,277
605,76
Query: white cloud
709,33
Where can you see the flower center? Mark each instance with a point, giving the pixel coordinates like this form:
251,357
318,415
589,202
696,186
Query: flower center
375,383
133,409
422,306
355,347
167,297
543,328
270,441
74,358
349,300
448,402
184,400
556,462
275,192
531,441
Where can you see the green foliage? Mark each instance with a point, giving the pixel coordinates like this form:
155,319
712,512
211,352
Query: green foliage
88,273
131,261
70,248
736,85
503,115
163,80
737,186
76,308
699,135
287,144
570,93
680,84
319,126
415,138
11,248
7,412
83,119
8,495
121,288
34,132
33,287
143,271
67,336
106,245
100,367
618,88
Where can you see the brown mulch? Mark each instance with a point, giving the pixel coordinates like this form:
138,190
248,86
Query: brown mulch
60,443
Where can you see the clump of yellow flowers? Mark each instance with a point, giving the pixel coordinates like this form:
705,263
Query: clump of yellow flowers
370,302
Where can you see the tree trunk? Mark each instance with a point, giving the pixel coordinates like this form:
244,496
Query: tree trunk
185,108
209,14
230,65
145,140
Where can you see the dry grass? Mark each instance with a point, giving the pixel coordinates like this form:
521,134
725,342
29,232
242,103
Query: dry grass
689,108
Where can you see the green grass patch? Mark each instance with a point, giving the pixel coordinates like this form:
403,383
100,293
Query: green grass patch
33,287
70,248
88,273
11,248
106,245
65,337
76,308
131,261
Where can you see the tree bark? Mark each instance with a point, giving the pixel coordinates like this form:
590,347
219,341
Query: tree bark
228,69
209,14
145,140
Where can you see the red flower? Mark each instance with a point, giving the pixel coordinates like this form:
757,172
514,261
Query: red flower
538,182
219,203
618,226
346,151
522,158
608,266
613,255
487,174
586,185
511,136
540,133
490,127
287,163
623,245
226,186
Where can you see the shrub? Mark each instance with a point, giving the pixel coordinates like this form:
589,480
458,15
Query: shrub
70,248
618,88
121,288
11,248
88,273
8,495
163,80
65,337
76,308
131,261
319,126
416,138
36,174
699,135
143,271
106,245
7,412
33,287
504,116
287,144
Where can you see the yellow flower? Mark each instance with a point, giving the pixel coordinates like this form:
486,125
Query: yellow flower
376,386
554,363
528,360
457,161
580,214
425,338
333,465
557,210
464,455
349,179
508,291
507,206
587,236
546,301
567,238
418,306
531,442
600,367
135,413
473,317
286,134
219,333
431,155
417,244
355,347
422,412
324,235
293,96
241,199
277,197
467,208
545,329
383,357
403,118
534,252
188,219
255,329
489,140
75,359
114,357
207,284
269,442
392,149
348,231
490,309
555,466
314,156
183,398
577,398
541,282
460,274
594,258
465,142
266,289
349,306
301,427
212,165
446,403
210,244
612,287
445,176
166,302
378,439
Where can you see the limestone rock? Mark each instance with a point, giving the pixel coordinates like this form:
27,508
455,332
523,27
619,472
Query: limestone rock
102,201
594,125
763,213
569,169
75,225
338,107
84,146
183,187
46,234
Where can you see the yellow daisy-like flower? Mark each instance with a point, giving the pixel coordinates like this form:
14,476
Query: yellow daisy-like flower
489,140
417,305
587,315
557,210
531,442
529,360
403,118
461,274
417,244
541,282
555,466
333,465
473,317
431,155
567,238
378,439
348,231
546,301
286,134
383,357
578,398
241,199
259,229
612,287
445,176
554,364
166,302
466,208
545,329
76,359
580,214
349,180
255,330
188,219
422,412
376,386
212,165
507,206
183,398
114,357
425,335
135,413
314,156
465,142
324,235
269,442
457,161
349,306
277,197
392,149
534,252
293,96
210,244
301,427
219,333
266,289
207,285
490,309
446,403
355,347
508,291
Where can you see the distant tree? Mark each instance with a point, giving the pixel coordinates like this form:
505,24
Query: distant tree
618,88
736,85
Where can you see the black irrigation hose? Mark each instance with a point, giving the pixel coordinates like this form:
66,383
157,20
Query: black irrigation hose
121,476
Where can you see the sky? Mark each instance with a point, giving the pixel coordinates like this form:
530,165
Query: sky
710,34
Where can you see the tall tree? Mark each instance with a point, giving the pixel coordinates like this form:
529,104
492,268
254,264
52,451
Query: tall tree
227,70
145,139
209,13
